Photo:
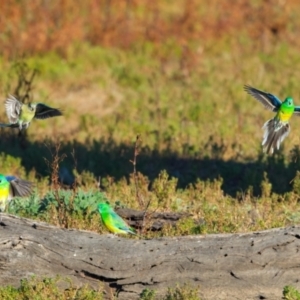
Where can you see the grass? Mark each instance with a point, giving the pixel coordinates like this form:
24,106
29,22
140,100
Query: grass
51,288
176,81
195,127
290,293
48,289
209,209
199,148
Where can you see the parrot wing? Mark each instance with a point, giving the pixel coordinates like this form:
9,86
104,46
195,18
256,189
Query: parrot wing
268,100
118,222
13,108
43,111
19,187
297,111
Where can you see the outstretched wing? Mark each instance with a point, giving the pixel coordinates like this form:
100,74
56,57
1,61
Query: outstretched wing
43,111
13,108
268,100
297,111
19,187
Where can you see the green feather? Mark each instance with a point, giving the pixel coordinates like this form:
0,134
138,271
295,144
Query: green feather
112,220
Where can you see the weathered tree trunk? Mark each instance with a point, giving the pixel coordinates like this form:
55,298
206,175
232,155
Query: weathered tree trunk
225,266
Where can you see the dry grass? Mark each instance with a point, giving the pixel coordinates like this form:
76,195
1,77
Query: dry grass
173,74
38,27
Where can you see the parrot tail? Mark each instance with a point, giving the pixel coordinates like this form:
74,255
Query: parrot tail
11,125
275,131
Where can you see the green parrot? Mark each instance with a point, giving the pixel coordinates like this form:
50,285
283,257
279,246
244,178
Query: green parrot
278,128
10,187
20,114
112,221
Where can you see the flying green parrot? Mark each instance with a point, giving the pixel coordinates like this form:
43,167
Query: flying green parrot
112,221
278,128
20,114
10,187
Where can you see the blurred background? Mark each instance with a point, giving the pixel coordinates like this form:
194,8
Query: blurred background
171,72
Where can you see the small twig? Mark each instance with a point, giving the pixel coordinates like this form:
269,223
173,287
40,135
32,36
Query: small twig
135,175
98,182
138,195
54,170
75,184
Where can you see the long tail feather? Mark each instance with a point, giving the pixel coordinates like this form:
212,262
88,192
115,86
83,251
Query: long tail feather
11,125
275,132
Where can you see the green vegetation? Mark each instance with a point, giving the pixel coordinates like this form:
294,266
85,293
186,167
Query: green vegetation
172,73
199,150
47,289
182,293
63,289
290,293
211,211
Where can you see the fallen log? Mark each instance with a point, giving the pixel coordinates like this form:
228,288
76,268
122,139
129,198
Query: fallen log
136,218
225,266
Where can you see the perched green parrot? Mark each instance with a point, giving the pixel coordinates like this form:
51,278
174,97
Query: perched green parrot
20,114
112,221
278,128
10,187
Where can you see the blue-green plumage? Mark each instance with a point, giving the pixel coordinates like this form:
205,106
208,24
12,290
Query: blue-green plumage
20,115
278,128
112,221
10,187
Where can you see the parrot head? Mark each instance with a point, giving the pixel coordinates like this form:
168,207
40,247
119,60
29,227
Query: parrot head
103,207
289,102
3,181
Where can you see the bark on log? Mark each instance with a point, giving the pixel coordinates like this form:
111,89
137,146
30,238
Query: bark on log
225,266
